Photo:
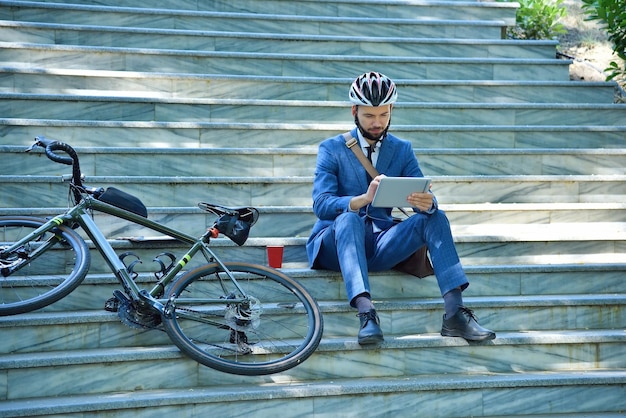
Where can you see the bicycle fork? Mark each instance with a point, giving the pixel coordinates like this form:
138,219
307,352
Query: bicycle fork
23,257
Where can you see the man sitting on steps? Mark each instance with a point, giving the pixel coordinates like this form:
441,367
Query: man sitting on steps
352,237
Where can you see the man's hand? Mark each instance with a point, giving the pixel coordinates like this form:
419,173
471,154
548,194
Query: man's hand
371,190
422,201
357,202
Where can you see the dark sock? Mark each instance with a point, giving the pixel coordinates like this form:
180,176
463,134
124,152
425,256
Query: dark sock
452,301
363,303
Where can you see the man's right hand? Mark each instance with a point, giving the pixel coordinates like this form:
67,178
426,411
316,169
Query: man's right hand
357,202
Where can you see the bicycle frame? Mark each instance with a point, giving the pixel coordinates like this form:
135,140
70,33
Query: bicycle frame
81,214
203,308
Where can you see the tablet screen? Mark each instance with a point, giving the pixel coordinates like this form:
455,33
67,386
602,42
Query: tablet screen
393,191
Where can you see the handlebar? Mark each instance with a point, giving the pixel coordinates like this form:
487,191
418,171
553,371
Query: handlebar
50,146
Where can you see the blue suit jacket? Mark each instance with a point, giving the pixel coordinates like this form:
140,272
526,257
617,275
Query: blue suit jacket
339,176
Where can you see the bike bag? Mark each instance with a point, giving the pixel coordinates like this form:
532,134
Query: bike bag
234,228
235,223
123,200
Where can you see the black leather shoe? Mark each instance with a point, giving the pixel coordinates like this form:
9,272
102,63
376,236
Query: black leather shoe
370,332
464,324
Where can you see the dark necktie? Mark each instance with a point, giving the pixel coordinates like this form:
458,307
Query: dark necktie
370,150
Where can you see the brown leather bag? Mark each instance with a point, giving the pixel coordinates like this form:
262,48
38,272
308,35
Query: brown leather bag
417,264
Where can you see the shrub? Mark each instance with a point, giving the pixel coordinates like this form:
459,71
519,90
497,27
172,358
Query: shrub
538,19
612,13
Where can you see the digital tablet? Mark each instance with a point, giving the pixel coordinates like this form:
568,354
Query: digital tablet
393,191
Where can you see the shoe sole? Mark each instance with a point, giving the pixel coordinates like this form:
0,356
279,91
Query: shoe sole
372,339
491,336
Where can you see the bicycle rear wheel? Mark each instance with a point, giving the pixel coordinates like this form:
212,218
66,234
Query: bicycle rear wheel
274,327
44,270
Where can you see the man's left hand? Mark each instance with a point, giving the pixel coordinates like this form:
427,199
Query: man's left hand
422,201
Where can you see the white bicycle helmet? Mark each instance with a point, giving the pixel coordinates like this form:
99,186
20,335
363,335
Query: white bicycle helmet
373,89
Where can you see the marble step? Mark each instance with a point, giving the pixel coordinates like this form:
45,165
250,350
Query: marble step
278,162
51,190
310,134
114,36
443,395
498,249
297,221
596,242
501,283
254,23
450,19
54,329
111,108
484,245
309,399
161,85
31,376
277,64
424,10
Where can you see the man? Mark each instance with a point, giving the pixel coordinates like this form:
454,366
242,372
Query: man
352,237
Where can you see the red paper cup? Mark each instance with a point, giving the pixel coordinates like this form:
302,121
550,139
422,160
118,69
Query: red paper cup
275,256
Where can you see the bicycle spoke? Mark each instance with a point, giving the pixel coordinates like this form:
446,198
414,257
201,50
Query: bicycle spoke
272,327
43,270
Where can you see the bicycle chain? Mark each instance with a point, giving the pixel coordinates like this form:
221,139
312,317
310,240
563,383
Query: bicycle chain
127,314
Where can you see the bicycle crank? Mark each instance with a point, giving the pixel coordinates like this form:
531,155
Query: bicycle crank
138,319
133,317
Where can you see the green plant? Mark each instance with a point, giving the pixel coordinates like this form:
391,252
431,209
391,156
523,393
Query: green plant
538,19
612,13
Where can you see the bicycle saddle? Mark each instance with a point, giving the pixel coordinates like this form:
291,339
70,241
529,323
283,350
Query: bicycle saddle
235,223
245,213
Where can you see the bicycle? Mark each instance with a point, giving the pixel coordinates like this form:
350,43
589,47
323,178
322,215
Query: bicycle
236,317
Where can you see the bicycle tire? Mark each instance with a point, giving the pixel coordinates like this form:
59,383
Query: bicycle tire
283,328
50,276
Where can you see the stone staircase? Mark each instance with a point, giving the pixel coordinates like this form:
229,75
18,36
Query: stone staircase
226,102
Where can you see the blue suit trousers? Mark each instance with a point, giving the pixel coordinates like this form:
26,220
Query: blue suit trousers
351,246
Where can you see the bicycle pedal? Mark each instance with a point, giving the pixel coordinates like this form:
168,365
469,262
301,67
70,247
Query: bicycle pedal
112,305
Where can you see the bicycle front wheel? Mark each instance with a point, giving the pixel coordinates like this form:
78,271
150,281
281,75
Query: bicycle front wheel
43,270
264,323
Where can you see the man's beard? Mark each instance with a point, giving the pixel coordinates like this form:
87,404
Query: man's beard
369,136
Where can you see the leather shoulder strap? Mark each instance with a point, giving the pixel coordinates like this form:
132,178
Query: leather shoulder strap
353,144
